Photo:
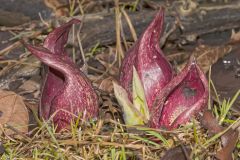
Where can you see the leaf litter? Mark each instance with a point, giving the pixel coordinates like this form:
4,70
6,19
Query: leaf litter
13,112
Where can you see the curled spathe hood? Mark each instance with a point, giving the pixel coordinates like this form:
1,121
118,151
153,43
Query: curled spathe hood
182,98
66,91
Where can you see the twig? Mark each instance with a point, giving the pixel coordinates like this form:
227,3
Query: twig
118,32
133,32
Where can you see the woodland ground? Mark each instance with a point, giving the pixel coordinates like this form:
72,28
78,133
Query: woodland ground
209,30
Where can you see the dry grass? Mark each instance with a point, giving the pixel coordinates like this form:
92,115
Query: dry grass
108,139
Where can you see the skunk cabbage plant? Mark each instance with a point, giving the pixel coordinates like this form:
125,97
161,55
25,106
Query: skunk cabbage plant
66,91
184,96
165,100
151,65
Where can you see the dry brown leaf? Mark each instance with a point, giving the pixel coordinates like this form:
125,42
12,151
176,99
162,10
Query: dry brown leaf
210,123
59,7
235,36
13,112
226,78
107,84
229,141
30,88
31,85
177,153
208,55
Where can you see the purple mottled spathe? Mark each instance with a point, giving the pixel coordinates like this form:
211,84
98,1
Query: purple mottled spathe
66,91
147,57
183,97
172,101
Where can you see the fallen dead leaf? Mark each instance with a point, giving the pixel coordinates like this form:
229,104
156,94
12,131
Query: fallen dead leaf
208,55
59,7
235,36
226,78
31,88
210,123
177,153
107,84
229,141
13,112
31,85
